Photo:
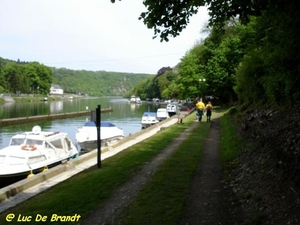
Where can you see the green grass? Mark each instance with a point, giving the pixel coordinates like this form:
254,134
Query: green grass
231,144
34,98
162,200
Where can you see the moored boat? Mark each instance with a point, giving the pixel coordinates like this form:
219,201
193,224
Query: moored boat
149,119
138,100
132,99
135,99
172,108
162,114
33,151
86,136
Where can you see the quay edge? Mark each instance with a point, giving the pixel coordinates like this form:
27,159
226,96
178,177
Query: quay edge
29,119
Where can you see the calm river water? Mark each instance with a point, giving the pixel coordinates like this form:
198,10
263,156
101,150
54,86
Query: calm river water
125,115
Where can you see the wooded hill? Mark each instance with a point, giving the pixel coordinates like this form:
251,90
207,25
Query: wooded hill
96,83
18,77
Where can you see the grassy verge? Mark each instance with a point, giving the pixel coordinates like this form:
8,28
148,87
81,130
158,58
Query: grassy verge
230,142
35,99
81,193
162,200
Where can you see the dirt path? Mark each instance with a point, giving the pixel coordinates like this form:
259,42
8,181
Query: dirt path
203,206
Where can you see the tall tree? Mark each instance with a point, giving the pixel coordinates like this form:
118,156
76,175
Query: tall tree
169,18
190,71
12,75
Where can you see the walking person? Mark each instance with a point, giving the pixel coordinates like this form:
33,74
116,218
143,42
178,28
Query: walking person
195,103
200,109
209,108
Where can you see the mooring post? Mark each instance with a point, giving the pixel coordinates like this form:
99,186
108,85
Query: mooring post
98,124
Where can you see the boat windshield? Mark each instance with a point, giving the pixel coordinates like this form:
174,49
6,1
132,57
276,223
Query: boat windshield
152,114
17,141
33,142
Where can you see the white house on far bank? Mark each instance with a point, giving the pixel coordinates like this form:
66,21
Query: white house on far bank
56,90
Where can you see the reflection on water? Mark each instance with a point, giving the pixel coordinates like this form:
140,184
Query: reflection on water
124,115
132,107
56,107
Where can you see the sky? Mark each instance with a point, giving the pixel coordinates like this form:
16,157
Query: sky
93,35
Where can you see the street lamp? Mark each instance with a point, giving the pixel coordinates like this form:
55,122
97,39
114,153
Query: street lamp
201,80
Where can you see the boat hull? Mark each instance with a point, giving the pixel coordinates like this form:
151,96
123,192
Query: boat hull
33,169
146,125
86,136
90,145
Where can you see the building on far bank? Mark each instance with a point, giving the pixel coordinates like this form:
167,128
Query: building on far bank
56,90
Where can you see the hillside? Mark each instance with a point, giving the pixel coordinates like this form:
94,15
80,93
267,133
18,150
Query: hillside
97,83
26,77
264,178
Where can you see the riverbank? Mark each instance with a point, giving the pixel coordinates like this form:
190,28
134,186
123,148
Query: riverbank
30,119
22,190
35,98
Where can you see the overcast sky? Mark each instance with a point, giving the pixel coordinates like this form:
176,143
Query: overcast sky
90,34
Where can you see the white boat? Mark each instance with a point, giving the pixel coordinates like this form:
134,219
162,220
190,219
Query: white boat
138,100
33,151
132,99
162,114
86,136
172,108
148,119
135,99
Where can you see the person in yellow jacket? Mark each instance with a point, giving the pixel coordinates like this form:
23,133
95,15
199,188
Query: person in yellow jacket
200,109
209,108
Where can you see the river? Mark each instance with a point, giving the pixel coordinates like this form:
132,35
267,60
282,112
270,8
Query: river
125,115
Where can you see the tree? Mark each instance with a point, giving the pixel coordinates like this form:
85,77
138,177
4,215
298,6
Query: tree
190,72
38,78
13,78
225,56
169,18
44,77
269,72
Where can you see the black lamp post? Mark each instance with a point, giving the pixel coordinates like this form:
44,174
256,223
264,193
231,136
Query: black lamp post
201,80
